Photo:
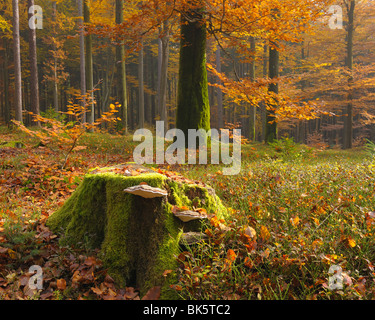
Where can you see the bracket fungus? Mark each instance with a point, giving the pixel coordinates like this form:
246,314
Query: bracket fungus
189,215
146,191
193,237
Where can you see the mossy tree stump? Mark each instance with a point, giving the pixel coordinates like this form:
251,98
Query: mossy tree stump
138,237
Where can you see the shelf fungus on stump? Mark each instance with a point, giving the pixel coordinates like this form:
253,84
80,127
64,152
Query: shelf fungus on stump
191,238
146,191
189,215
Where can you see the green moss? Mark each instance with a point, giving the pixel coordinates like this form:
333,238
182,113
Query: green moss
12,144
83,216
139,238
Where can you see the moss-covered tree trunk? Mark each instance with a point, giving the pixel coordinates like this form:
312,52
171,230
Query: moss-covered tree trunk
139,237
193,109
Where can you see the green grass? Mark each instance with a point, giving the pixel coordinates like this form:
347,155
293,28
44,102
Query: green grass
310,209
315,210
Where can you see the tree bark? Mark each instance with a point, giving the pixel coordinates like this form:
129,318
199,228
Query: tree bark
121,78
17,63
193,109
348,123
271,128
141,102
162,101
55,84
34,81
82,57
89,64
6,83
263,110
252,109
219,92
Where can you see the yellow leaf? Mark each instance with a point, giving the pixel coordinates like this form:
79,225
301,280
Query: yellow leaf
264,233
351,242
12,254
294,221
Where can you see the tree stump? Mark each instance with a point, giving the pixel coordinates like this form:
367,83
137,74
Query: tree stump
138,235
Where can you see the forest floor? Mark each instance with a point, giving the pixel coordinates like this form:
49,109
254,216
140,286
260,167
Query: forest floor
312,212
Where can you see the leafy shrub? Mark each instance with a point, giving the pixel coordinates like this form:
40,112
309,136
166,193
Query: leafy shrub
290,150
67,134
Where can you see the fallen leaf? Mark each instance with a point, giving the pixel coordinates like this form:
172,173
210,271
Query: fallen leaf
61,284
249,231
152,294
264,233
97,290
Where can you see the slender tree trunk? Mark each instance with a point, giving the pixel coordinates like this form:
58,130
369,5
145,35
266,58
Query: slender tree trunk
193,109
219,92
141,105
82,56
120,57
160,59
348,123
252,109
271,127
6,83
17,62
164,75
89,64
263,110
34,82
55,82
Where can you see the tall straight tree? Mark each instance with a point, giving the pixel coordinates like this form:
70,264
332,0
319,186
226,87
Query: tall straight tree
219,91
34,81
82,55
121,75
252,109
55,82
89,63
141,90
273,73
162,94
17,62
348,121
193,109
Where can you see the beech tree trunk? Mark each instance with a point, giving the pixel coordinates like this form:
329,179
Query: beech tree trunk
121,77
34,82
271,127
219,92
6,83
55,84
82,56
348,122
193,109
162,98
89,64
252,109
141,110
17,62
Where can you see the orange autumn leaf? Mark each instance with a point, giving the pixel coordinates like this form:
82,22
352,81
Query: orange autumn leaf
61,284
201,211
231,255
295,221
264,233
